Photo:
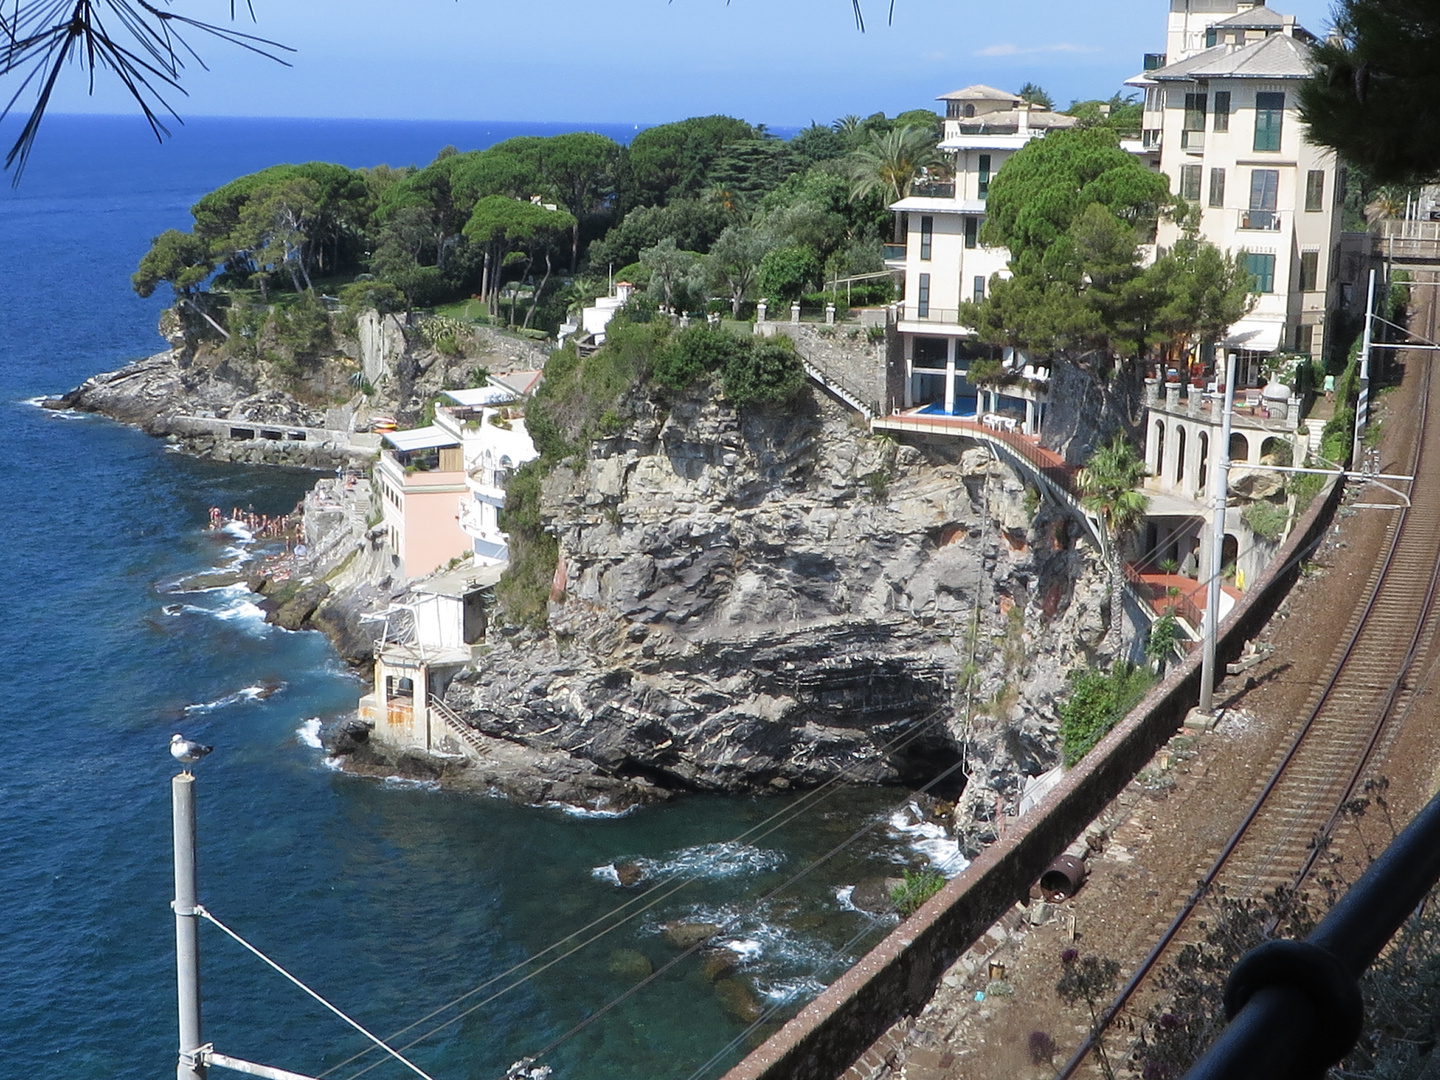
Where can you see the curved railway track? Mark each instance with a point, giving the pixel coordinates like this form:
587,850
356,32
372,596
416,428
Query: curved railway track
1383,656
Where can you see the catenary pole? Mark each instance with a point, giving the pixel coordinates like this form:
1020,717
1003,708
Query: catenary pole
191,1065
1217,543
1362,401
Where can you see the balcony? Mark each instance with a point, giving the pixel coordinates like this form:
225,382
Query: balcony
893,253
925,313
1260,220
1192,142
933,189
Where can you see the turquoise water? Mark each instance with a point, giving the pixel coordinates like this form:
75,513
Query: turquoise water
391,898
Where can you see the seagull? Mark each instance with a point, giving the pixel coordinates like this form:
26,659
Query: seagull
187,752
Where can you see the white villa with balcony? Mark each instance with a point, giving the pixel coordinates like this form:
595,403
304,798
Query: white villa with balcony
944,262
441,487
1222,121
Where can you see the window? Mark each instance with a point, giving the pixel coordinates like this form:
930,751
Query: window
1192,128
1264,188
1222,110
972,231
1262,269
1309,270
927,236
923,303
1190,182
1269,112
979,287
1314,190
930,352
1340,179
1305,339
1211,36
969,111
1217,187
984,175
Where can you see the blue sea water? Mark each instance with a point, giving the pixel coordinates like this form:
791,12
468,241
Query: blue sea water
390,898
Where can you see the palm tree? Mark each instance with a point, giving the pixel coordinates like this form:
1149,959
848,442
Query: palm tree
1108,488
890,161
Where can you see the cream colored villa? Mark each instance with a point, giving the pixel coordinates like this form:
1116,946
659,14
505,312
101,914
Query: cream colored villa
1222,122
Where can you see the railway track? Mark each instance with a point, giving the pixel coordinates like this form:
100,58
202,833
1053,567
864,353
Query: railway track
1383,656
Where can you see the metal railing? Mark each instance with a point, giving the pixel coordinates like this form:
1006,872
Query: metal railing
931,189
909,311
893,252
1260,220
1180,606
1294,1006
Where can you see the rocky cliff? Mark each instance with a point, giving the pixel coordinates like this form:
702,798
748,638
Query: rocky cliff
774,598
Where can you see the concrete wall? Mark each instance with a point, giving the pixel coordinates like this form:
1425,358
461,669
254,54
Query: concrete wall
899,975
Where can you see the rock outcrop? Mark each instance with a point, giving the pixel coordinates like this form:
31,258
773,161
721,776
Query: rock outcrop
768,599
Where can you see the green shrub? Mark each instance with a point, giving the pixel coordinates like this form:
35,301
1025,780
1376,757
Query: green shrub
1160,646
694,352
523,591
917,887
1097,702
787,272
767,373
1266,519
371,295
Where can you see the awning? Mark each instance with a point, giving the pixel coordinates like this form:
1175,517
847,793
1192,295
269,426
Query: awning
481,395
1255,335
420,438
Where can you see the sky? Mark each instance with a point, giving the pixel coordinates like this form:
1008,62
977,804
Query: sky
779,62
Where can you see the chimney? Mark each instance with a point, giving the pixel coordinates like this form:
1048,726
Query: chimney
1023,109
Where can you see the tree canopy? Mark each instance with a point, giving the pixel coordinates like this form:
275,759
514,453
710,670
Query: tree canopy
1375,94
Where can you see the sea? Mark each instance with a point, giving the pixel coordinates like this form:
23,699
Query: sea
415,911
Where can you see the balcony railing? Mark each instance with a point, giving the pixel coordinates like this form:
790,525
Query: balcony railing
1260,220
933,189
1193,141
926,313
893,252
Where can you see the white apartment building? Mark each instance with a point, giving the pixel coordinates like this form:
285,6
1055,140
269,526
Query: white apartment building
1222,122
944,262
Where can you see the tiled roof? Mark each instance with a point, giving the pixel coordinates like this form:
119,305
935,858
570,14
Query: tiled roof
1008,121
1278,56
979,92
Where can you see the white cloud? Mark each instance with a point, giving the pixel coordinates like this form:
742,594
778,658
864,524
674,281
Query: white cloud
1015,50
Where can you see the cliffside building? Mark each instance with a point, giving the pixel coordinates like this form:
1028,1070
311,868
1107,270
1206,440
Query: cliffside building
1222,122
943,261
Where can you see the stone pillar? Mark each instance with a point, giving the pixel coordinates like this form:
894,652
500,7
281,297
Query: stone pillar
1172,397
1292,412
795,313
685,321
760,310
950,375
829,314
1029,417
1152,391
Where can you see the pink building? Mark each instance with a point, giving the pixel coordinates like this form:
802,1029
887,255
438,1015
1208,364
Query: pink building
420,478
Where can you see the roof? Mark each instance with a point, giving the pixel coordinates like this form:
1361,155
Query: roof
460,581
1278,56
923,205
481,395
521,382
979,92
1007,121
1259,17
423,438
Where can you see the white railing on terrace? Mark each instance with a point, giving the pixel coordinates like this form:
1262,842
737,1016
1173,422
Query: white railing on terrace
911,312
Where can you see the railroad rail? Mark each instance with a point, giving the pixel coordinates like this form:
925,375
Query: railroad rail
1374,674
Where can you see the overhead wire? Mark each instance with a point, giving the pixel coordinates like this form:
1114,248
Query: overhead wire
665,888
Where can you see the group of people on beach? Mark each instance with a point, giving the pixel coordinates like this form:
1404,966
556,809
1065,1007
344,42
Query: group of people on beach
259,525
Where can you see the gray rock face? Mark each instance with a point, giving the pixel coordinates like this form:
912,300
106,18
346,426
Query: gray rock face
775,598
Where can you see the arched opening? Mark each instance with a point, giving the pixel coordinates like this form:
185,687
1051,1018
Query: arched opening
969,110
1179,454
1202,474
1239,447
1157,466
1229,552
1276,451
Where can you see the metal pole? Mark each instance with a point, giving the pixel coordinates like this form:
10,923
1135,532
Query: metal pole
1217,542
191,1065
1362,402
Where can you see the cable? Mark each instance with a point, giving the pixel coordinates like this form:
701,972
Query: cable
373,1038
797,876
758,831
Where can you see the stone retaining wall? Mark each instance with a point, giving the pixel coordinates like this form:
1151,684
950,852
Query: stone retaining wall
900,974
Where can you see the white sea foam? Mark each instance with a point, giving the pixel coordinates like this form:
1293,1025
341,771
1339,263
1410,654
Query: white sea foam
721,860
588,812
782,991
747,949
238,531
309,733
407,782
606,873
930,839
334,762
843,895
249,693
243,610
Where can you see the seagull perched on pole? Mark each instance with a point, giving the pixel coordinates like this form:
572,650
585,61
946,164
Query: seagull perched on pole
187,752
